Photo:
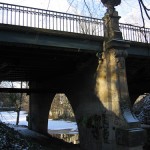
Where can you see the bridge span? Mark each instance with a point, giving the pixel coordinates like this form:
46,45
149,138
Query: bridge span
101,71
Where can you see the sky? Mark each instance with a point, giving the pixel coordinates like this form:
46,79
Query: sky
127,9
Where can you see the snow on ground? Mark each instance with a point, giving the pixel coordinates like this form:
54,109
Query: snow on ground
57,125
10,117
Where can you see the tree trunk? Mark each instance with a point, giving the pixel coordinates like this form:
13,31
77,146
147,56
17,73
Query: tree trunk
19,107
18,115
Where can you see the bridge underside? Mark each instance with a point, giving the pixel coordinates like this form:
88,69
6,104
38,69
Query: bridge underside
29,62
19,62
138,76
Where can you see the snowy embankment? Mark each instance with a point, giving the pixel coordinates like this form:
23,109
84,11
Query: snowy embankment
13,140
53,125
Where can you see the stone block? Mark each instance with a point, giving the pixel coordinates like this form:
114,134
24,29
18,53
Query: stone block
130,137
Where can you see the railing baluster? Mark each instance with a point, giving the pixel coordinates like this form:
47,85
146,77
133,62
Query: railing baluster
27,16
11,15
70,22
63,22
34,15
42,18
77,24
19,15
15,16
73,24
56,21
38,18
30,17
7,15
126,33
66,22
46,19
49,20
23,16
60,23
53,21
3,14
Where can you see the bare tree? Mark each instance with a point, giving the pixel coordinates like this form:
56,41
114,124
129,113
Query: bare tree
13,99
91,8
61,108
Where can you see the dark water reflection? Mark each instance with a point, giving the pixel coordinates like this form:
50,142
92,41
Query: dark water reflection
66,135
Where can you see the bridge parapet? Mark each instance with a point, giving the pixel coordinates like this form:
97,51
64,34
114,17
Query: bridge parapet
46,19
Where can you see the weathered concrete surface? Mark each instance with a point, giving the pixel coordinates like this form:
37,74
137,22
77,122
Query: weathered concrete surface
124,131
39,105
113,93
86,106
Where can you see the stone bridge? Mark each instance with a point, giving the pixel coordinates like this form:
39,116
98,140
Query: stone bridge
100,65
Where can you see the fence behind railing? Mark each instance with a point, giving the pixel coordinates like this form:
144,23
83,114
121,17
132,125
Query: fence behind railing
46,19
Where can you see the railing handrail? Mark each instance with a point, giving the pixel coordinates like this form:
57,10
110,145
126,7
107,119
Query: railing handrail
140,27
51,11
67,22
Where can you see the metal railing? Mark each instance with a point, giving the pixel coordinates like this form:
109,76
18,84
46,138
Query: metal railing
135,33
46,19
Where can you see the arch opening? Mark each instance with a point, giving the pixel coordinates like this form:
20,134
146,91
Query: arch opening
62,123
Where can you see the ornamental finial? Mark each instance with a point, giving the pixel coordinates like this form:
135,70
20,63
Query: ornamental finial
111,3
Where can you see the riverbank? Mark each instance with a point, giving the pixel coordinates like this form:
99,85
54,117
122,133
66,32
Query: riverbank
12,139
21,138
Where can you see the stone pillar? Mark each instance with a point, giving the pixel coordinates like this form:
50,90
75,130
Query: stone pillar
39,106
86,105
123,128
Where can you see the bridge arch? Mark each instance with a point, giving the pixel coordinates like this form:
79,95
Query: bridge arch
80,91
